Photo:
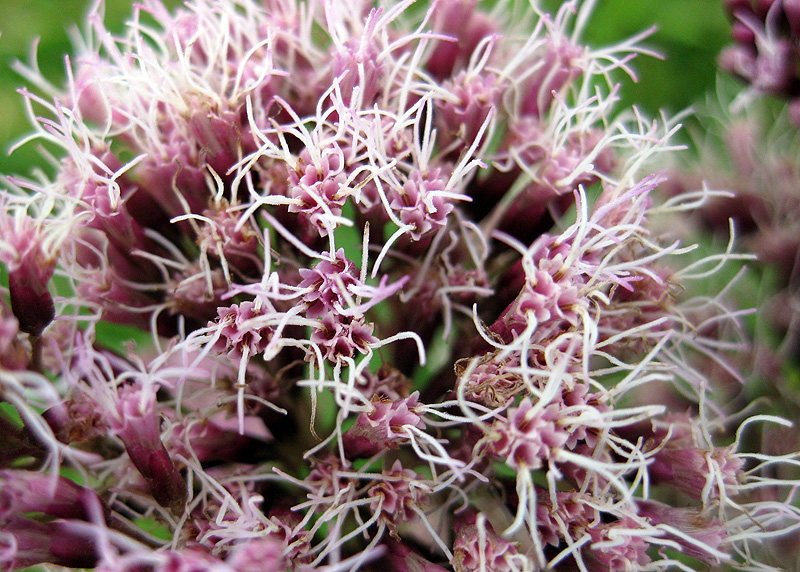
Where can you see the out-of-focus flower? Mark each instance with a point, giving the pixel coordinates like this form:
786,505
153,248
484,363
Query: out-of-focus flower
765,52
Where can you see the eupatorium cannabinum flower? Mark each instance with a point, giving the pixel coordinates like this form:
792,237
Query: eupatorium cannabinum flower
765,52
405,304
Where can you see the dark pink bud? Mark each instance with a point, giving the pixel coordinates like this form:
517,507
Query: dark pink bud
549,295
120,302
210,442
762,7
178,168
223,238
562,63
357,63
25,542
56,497
197,293
137,424
319,188
398,496
743,34
474,96
217,133
735,7
105,202
240,330
467,26
422,203
324,283
30,268
687,470
31,301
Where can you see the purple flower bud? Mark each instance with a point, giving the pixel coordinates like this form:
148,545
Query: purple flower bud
329,285
120,303
223,238
562,62
357,63
549,295
319,188
571,515
422,202
218,133
197,293
103,200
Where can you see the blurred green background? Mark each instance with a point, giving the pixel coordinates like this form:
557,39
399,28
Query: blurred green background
690,35
23,23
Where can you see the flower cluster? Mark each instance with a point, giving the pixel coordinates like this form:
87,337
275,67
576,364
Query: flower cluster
752,154
766,52
396,292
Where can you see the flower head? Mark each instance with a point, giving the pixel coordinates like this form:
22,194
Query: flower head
397,297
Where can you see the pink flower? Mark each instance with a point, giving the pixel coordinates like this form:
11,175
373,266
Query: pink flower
240,330
528,436
617,547
398,496
477,546
318,187
422,202
341,337
383,426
